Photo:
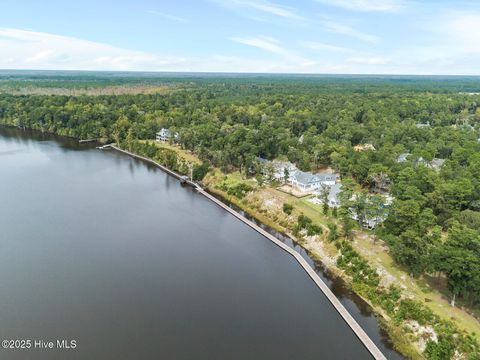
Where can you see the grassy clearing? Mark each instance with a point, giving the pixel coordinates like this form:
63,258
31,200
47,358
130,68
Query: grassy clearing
182,154
376,254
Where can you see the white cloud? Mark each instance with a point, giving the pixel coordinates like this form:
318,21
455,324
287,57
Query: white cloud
372,60
367,5
24,49
449,45
167,16
461,30
315,45
263,6
342,29
272,45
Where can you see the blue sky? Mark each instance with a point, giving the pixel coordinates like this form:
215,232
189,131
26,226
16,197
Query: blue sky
304,36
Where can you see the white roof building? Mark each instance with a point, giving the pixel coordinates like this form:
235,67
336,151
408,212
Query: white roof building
163,135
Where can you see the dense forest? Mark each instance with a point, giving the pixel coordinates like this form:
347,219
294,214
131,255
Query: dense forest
433,225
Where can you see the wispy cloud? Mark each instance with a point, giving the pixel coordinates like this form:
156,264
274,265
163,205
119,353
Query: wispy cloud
342,29
367,5
166,16
265,7
25,49
273,46
315,45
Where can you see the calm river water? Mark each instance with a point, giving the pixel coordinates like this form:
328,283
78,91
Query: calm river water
110,252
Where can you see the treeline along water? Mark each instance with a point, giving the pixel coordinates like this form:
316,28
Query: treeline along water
105,250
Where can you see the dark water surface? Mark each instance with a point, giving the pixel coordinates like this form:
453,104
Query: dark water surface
108,251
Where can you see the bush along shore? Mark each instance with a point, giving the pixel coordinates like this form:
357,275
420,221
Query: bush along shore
415,330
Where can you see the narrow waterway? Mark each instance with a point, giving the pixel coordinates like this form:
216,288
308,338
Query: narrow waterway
113,253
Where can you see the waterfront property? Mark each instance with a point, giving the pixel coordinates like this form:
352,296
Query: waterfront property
374,215
282,169
327,178
303,181
163,135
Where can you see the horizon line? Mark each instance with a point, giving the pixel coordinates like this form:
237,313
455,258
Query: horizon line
239,73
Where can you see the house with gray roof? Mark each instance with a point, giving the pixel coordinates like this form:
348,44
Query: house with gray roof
308,182
403,157
333,195
436,163
327,178
279,168
305,181
420,125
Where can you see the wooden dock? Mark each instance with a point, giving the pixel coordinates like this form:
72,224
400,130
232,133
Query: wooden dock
351,322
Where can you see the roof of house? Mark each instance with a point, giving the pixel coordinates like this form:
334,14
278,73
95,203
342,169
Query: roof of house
403,157
283,164
363,147
305,177
327,176
262,160
423,125
437,163
334,192
163,131
421,161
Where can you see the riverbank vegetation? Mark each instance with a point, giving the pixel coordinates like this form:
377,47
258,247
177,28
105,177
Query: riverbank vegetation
430,241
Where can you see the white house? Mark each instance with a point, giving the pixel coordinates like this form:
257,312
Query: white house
305,181
279,168
436,163
403,157
163,135
308,182
328,179
420,125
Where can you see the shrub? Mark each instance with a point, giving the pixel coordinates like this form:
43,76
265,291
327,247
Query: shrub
333,232
303,221
199,171
287,208
313,229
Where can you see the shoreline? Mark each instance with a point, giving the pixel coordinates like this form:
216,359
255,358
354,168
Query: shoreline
341,310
